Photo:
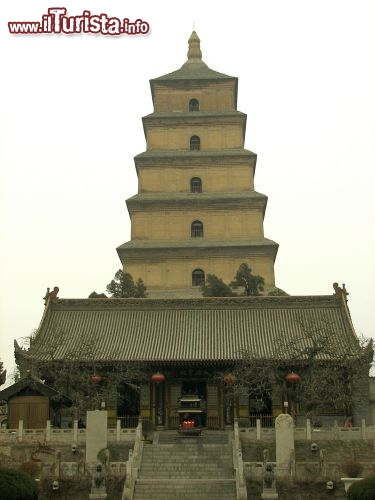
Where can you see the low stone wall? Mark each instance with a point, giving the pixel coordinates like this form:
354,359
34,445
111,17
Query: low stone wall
309,433
63,436
308,471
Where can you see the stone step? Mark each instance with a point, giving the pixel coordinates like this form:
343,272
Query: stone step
184,453
186,465
208,448
206,438
183,457
194,469
186,459
172,456
166,474
184,489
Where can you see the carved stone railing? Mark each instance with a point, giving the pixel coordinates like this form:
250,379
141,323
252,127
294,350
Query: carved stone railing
311,433
133,464
57,435
238,464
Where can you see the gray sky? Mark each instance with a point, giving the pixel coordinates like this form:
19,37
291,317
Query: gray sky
70,125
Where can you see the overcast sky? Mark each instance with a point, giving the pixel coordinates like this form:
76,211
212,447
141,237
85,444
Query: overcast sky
70,119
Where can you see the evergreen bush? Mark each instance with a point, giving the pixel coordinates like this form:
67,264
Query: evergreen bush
362,490
352,468
16,485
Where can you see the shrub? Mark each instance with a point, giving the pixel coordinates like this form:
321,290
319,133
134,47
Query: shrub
352,468
114,486
362,490
30,468
69,487
16,485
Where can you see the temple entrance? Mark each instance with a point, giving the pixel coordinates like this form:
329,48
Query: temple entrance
128,405
260,407
197,387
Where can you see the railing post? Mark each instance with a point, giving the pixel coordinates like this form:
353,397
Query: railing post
48,431
75,431
259,429
336,430
308,429
238,464
133,464
363,429
20,430
118,429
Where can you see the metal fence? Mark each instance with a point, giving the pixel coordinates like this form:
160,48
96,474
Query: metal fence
173,421
213,422
128,421
265,420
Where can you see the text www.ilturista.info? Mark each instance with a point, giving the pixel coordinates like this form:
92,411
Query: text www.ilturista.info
57,22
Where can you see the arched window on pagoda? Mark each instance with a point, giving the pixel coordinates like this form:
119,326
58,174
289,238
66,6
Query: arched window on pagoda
197,229
197,277
195,185
195,143
194,105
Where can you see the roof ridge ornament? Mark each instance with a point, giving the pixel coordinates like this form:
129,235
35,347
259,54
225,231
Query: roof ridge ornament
340,292
51,296
194,51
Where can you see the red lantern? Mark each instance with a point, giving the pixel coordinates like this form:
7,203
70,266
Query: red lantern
96,379
158,377
293,378
229,378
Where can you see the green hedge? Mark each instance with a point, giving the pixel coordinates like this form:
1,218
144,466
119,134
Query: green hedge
16,485
362,490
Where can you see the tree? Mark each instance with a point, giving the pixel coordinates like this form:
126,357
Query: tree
3,374
16,485
80,375
123,286
332,374
251,283
362,490
215,287
277,292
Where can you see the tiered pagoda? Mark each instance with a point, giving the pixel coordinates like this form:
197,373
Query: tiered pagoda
196,211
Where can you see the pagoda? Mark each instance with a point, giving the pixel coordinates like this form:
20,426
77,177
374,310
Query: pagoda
196,211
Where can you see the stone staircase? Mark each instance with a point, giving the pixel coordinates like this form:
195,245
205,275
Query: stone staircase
187,468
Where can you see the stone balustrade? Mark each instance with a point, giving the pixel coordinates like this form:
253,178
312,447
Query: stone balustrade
64,436
309,433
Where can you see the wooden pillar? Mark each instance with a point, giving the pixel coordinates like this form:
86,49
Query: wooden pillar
243,403
145,401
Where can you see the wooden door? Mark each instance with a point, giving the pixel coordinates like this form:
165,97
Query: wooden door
33,410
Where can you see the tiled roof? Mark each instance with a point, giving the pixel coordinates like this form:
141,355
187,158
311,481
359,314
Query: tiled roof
192,330
201,154
223,197
194,70
194,67
36,385
199,243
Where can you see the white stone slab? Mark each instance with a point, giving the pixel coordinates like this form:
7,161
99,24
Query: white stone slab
96,434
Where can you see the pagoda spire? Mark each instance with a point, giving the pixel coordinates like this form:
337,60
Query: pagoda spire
194,51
